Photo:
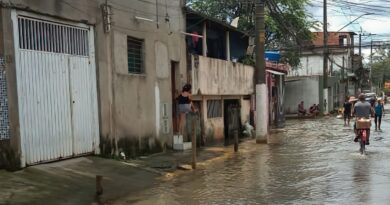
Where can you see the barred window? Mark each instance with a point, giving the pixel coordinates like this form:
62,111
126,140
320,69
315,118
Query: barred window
214,108
135,55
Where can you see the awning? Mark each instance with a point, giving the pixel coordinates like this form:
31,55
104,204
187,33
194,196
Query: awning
275,72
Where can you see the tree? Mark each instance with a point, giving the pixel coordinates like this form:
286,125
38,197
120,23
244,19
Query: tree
287,22
380,72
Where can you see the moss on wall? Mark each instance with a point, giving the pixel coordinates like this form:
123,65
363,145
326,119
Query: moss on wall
132,147
9,158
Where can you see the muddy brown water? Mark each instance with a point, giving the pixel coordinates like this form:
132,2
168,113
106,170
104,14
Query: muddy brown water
307,162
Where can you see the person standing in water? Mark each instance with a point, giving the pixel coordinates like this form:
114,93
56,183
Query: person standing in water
347,111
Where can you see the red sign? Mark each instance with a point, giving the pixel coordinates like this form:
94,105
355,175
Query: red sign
387,85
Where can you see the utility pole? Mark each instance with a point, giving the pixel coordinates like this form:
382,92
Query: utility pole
343,79
371,66
360,44
325,51
261,88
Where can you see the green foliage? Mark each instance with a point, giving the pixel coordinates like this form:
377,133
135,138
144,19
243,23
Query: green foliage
387,91
381,67
247,60
287,22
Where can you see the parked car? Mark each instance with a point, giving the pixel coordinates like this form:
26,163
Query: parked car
370,97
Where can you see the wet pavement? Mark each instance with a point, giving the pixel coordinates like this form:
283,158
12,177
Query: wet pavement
309,162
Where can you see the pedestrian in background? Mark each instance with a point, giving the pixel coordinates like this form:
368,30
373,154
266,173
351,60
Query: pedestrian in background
301,109
347,111
379,112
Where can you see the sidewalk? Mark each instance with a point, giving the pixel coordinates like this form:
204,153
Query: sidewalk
73,181
387,108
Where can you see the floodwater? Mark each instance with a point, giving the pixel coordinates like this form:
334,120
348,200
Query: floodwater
308,162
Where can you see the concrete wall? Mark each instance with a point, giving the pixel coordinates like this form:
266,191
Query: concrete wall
245,110
130,105
313,64
138,99
219,77
213,129
301,89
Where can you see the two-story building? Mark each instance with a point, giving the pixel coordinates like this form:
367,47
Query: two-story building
305,83
220,78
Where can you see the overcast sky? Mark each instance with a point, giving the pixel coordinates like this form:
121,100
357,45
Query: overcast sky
342,12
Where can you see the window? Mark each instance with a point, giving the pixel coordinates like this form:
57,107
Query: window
343,40
214,108
135,55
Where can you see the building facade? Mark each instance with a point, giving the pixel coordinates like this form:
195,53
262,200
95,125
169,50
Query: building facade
88,77
308,76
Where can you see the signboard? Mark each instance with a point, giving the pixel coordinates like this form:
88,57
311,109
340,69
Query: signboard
387,85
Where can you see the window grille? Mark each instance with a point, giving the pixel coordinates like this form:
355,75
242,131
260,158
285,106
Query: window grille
135,55
4,117
52,37
214,108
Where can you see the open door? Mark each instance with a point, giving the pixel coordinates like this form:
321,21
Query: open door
175,92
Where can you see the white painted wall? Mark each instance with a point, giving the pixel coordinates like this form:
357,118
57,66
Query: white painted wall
304,89
313,64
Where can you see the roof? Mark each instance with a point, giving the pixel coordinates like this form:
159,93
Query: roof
279,67
214,20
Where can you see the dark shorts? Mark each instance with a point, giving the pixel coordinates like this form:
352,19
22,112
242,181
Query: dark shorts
184,108
347,116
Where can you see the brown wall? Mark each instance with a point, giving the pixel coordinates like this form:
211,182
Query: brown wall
333,38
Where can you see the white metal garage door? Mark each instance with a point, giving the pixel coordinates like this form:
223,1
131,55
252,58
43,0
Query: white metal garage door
56,83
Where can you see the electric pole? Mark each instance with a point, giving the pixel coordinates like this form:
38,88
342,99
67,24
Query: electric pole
261,88
325,51
371,67
343,79
360,44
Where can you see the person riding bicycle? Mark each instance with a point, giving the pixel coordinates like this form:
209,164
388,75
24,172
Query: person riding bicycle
362,109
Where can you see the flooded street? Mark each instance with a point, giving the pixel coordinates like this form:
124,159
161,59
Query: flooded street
308,162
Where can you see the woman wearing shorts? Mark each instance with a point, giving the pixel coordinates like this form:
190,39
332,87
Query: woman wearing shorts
185,106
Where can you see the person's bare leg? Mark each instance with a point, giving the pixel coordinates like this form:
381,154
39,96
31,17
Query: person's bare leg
181,123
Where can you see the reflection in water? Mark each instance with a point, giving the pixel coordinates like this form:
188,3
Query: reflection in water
361,179
308,162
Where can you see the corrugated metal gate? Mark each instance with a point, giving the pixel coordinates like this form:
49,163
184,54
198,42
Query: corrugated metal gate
56,82
4,120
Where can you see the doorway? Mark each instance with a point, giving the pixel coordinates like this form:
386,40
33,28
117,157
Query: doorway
231,113
175,93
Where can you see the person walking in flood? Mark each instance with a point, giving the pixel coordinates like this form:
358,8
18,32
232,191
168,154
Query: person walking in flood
185,106
379,112
347,111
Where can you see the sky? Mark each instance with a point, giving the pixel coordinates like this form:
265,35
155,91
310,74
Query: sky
341,12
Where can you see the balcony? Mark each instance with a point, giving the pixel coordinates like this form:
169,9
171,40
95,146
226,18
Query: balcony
210,76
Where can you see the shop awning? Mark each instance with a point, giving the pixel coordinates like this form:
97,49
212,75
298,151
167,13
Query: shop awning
275,72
